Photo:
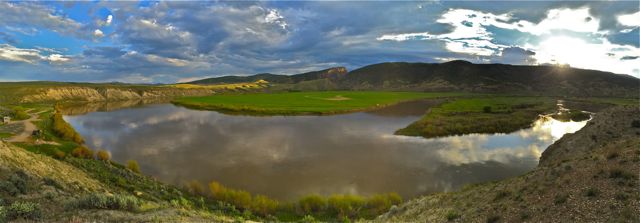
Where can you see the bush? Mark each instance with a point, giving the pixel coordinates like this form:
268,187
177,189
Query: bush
560,199
64,130
103,201
103,155
16,184
82,152
618,173
239,198
59,154
592,192
312,204
346,206
263,205
195,187
133,166
452,215
20,114
25,210
486,109
380,203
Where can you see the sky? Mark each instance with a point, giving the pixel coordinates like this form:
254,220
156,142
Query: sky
168,42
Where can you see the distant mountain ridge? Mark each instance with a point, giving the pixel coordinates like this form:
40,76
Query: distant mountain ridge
456,76
331,73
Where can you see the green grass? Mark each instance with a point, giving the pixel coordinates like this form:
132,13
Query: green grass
480,115
297,103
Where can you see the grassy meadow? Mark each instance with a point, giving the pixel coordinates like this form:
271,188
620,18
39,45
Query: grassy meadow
301,103
498,114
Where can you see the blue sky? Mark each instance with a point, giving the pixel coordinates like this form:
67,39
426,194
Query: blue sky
166,42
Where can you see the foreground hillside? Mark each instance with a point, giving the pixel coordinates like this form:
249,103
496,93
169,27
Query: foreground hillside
38,187
588,176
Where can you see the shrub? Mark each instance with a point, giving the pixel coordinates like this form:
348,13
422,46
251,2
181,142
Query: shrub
103,201
133,166
380,203
64,130
493,218
195,187
20,114
82,152
16,184
635,123
103,155
312,204
592,192
345,206
59,154
560,199
239,198
263,205
618,173
452,215
486,109
25,210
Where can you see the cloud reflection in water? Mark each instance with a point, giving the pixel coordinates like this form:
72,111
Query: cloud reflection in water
287,157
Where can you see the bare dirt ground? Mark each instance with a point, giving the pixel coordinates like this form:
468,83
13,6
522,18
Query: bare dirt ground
29,127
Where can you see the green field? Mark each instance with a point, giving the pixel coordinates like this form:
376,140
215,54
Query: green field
480,115
299,103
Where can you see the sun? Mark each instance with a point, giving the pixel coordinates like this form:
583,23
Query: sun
562,50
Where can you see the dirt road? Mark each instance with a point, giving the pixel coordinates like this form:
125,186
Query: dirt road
29,127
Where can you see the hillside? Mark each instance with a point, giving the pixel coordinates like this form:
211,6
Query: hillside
588,176
333,73
38,92
38,187
458,76
491,78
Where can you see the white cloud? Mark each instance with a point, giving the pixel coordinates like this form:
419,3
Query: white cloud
630,19
57,58
274,17
32,56
98,33
11,53
470,36
109,20
577,20
603,55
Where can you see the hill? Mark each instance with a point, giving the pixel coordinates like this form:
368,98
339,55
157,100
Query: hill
459,76
331,73
588,176
491,78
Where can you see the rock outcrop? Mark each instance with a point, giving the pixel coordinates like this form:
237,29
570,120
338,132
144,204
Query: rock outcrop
99,94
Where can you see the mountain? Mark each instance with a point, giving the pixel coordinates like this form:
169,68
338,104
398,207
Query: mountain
331,73
454,76
490,78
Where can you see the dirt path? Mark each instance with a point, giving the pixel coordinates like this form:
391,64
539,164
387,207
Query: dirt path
29,127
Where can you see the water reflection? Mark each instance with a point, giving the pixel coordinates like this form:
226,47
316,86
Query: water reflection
287,157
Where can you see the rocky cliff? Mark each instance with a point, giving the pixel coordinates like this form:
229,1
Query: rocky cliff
98,94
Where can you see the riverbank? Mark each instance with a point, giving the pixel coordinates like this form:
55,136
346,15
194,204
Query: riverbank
595,167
